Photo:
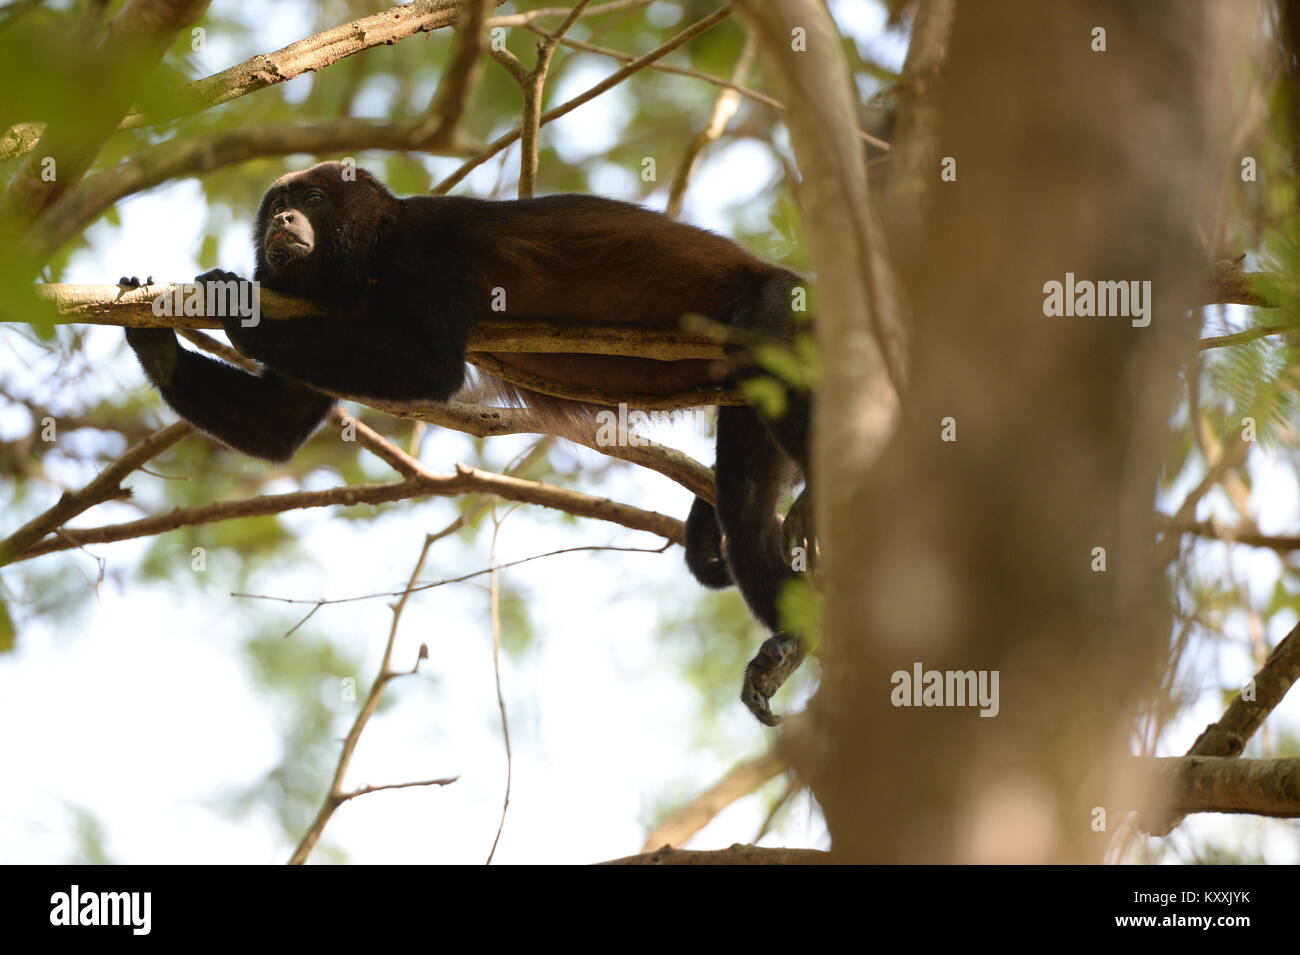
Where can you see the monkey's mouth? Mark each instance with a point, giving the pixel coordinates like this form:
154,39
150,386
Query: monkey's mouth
282,247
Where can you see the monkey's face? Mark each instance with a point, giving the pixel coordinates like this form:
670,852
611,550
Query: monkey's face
292,216
316,230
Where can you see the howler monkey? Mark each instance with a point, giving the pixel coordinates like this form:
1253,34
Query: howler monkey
402,281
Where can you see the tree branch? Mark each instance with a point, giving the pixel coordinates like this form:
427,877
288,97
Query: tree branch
724,108
459,78
105,486
108,305
1228,737
640,63
534,85
120,61
741,780
270,69
466,480
736,855
485,421
337,796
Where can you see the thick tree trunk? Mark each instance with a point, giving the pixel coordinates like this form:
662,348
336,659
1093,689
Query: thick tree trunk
984,553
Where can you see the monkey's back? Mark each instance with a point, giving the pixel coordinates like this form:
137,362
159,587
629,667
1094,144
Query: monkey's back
577,258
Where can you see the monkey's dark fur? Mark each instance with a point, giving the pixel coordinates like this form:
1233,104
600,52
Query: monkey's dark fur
413,275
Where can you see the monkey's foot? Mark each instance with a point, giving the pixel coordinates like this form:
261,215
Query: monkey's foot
778,657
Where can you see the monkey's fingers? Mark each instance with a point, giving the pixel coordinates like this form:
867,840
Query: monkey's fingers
778,657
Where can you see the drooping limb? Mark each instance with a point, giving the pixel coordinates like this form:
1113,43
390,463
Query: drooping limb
704,554
753,475
265,415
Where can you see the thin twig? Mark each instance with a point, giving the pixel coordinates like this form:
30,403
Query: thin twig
495,605
685,36
326,602
460,77
337,796
745,91
104,486
467,481
724,108
1242,337
530,120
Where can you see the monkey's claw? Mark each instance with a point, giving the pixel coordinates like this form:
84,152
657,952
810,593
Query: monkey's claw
129,283
778,657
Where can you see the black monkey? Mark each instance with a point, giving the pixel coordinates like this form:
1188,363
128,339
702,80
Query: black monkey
411,276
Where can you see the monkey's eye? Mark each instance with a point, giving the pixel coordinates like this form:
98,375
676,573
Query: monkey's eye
277,207
314,198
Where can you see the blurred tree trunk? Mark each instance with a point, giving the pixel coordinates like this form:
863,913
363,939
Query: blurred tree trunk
981,553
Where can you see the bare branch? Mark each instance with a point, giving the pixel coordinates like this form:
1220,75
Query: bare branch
466,480
1228,737
740,781
736,855
916,129
640,63
528,17
1282,543
269,69
724,108
108,305
105,486
744,91
1233,456
1242,337
533,89
1256,787
459,78
336,795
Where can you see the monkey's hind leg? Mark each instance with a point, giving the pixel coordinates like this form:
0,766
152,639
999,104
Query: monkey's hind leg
753,475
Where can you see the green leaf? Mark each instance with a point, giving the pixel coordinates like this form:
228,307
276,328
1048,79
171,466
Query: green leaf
8,634
766,394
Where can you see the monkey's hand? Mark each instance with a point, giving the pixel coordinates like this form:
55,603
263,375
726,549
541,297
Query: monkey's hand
778,657
217,275
229,298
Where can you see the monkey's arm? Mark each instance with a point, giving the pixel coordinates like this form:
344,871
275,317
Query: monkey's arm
265,415
408,345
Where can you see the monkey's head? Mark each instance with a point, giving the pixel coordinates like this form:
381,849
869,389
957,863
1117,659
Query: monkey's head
316,229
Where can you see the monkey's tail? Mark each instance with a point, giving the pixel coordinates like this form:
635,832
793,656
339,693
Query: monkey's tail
704,546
